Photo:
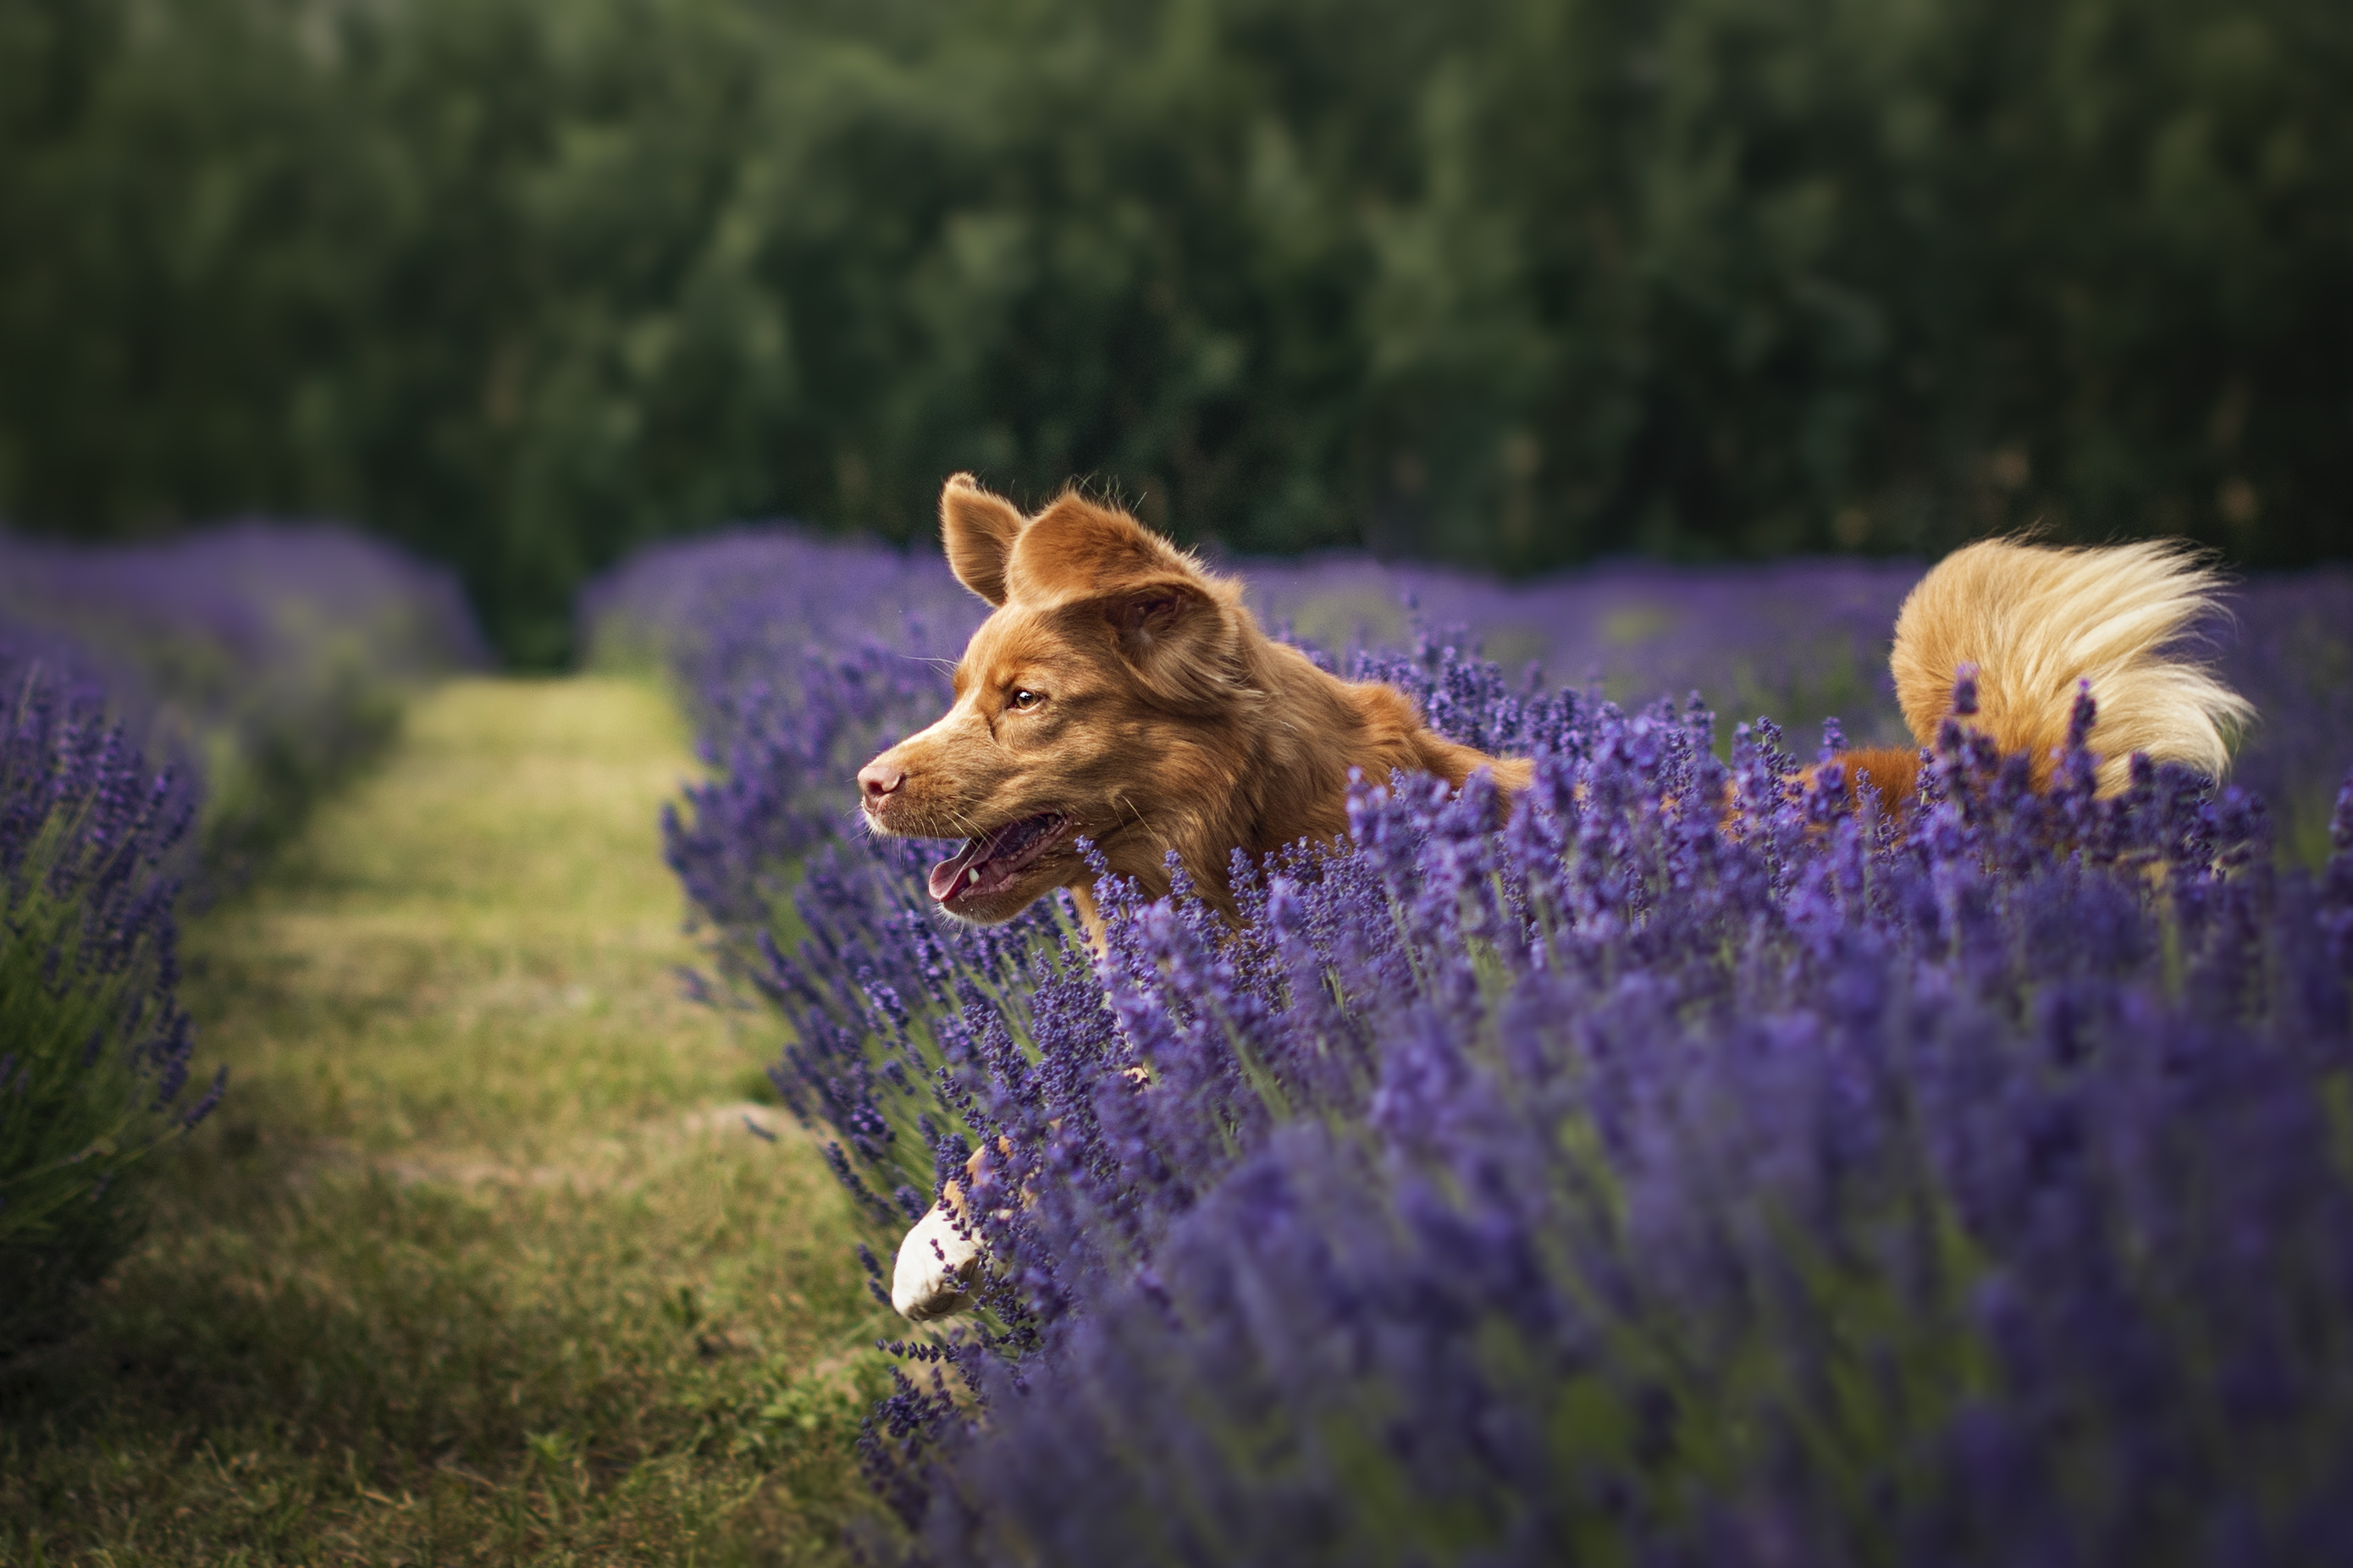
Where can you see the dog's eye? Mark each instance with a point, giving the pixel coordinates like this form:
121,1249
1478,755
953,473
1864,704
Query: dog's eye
1025,699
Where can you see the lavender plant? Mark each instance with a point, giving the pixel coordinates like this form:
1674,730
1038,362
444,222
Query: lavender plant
1610,1185
745,608
94,1049
2290,650
1682,1166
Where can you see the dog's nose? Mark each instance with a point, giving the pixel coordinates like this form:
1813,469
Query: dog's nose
876,781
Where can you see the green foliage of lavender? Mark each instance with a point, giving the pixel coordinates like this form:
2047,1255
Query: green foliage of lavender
1689,1170
1513,282
94,1049
167,714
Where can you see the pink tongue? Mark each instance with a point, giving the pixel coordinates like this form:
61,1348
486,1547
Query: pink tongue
950,871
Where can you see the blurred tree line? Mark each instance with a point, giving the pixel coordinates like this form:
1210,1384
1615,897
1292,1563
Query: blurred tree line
525,282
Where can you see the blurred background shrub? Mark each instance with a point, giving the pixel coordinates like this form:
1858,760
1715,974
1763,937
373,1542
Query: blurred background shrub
1508,282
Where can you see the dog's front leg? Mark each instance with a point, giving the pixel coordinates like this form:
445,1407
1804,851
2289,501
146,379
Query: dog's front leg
940,1258
937,1262
1090,921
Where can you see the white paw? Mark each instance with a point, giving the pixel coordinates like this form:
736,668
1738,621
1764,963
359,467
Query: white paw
936,1268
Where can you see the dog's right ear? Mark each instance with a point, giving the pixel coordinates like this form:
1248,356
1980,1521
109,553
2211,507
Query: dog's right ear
978,531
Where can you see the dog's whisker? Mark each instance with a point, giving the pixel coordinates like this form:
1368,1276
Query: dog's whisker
1131,809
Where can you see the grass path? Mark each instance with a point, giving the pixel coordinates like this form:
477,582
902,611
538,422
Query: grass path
477,1262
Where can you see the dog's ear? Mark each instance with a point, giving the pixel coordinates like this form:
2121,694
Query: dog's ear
1172,627
1076,548
1179,638
978,531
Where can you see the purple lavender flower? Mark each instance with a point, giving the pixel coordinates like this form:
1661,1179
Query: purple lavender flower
2287,648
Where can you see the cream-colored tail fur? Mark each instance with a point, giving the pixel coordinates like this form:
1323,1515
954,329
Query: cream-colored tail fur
2035,621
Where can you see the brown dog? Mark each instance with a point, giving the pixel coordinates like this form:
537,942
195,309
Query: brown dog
1120,693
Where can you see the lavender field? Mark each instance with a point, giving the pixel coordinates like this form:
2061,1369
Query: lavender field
1634,1182
1675,1173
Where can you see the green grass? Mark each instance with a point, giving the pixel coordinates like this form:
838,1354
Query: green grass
478,1263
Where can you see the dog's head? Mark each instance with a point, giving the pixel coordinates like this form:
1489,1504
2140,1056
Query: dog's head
1096,701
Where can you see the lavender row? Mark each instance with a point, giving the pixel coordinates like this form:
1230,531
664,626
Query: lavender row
1613,1185
263,660
1685,1170
165,711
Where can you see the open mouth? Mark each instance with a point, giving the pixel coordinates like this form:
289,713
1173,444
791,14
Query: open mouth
990,863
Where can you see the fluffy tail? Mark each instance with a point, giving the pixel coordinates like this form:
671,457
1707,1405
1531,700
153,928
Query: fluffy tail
2036,621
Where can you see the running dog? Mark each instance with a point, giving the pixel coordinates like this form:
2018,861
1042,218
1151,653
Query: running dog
1120,693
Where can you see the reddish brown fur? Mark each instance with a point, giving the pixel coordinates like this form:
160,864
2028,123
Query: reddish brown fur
1892,771
1168,720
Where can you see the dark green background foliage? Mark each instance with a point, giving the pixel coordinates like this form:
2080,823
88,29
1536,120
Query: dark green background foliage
524,282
